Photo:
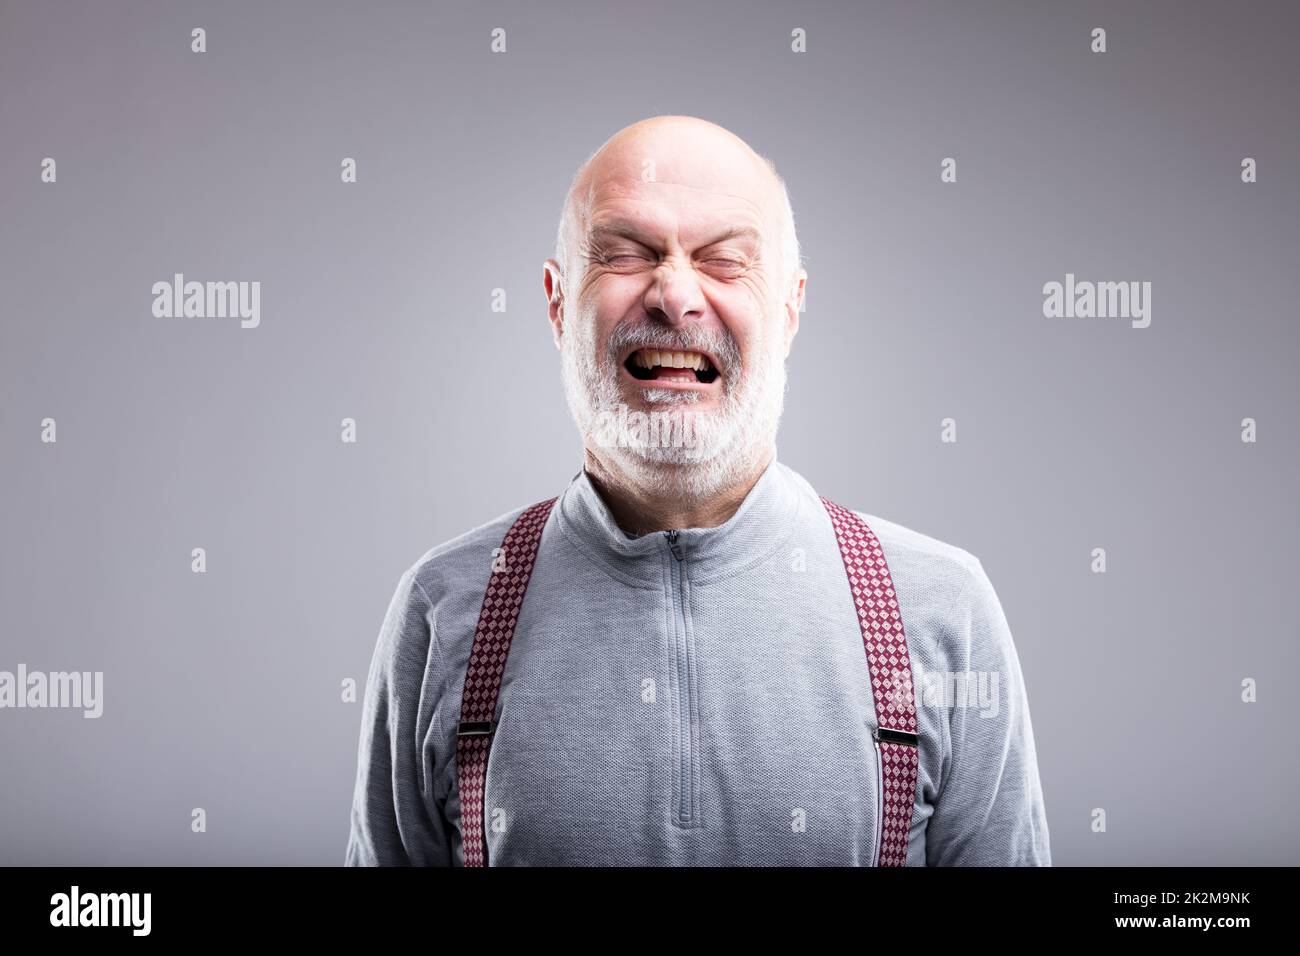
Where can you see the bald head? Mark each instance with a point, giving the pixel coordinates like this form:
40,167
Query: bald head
692,153
676,240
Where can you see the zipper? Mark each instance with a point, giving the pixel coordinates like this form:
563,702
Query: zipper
880,799
673,546
687,812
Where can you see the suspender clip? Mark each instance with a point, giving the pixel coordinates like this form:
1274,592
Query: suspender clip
891,736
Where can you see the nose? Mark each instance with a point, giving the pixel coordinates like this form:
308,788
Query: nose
674,295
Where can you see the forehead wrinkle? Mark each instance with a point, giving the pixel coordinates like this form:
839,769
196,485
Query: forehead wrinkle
772,214
628,223
622,192
630,230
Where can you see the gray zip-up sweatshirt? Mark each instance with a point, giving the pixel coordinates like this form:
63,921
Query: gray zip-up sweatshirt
708,704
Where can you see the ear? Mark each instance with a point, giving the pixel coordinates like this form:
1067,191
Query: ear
553,282
793,305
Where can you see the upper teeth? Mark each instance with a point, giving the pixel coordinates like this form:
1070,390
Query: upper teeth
650,358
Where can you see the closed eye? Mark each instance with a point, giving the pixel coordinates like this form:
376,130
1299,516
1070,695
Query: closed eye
626,258
725,265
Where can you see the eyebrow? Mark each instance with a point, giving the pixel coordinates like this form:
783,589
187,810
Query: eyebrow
618,229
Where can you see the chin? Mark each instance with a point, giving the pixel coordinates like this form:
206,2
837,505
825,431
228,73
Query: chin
689,473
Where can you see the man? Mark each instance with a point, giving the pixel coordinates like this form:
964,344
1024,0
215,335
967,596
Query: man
690,657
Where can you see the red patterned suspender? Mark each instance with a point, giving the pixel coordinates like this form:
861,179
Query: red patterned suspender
487,662
882,635
891,677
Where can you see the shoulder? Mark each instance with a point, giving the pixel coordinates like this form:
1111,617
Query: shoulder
913,546
926,570
440,591
946,598
464,561
944,589
928,573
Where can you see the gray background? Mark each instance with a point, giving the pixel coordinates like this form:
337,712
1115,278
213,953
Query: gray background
924,301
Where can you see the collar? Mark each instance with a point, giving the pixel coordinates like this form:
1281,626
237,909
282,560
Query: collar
765,521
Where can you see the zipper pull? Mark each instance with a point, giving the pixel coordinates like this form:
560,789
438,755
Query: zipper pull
672,544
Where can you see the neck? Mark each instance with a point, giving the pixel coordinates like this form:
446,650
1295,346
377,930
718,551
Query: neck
641,508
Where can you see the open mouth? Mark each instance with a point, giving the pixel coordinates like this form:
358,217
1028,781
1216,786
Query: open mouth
658,365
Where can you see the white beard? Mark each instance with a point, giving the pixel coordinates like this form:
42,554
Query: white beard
724,447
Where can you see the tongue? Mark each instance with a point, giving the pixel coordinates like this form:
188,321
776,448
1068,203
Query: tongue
678,374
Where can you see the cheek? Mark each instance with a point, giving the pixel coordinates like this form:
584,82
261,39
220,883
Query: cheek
748,314
608,299
607,287
763,303
740,305
599,307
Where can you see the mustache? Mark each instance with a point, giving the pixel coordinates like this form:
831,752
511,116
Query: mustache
628,336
